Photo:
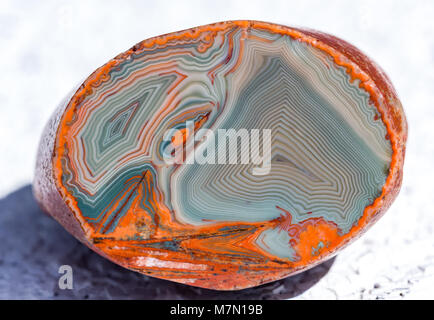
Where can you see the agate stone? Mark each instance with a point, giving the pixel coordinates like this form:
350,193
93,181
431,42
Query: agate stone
328,162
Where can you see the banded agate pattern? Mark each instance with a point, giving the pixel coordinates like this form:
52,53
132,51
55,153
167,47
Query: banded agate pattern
330,157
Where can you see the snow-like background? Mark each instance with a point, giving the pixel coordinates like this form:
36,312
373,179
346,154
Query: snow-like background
46,47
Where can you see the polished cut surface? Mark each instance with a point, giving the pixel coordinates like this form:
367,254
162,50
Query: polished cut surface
219,225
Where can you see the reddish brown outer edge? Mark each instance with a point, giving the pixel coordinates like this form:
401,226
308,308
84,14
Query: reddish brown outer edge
44,187
50,200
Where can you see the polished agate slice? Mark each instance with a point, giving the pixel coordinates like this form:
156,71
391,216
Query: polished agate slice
336,139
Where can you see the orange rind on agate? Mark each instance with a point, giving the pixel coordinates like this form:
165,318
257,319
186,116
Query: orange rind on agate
337,144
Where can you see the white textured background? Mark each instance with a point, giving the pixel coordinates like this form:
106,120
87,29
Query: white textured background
46,47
